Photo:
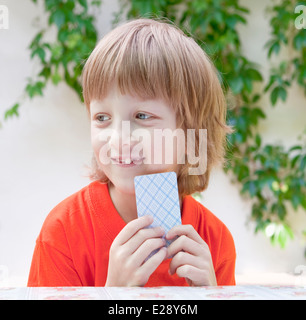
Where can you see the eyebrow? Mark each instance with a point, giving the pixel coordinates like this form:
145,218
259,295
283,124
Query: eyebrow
146,104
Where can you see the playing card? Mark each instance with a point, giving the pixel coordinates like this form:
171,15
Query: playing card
157,196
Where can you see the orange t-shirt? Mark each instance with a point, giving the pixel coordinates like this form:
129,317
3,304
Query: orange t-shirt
72,248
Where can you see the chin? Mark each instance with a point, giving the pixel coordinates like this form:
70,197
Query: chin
124,185
124,181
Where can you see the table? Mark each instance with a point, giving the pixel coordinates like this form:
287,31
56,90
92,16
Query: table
254,292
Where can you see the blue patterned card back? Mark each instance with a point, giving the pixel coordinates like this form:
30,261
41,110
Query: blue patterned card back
157,196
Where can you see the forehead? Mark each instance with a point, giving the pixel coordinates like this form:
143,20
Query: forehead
115,100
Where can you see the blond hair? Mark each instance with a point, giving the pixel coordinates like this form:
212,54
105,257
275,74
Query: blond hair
153,59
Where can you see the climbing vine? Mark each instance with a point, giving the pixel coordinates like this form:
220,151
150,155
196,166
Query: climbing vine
63,59
273,176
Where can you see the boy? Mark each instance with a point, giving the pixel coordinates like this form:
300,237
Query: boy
149,75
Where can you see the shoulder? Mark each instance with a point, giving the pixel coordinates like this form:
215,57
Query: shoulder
67,216
195,211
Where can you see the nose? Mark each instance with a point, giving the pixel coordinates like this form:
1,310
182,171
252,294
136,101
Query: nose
120,141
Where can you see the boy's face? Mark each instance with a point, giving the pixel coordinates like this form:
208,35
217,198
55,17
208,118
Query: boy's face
127,138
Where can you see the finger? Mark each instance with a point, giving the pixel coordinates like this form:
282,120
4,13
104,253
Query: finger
184,243
131,228
141,236
190,272
187,230
197,276
145,271
182,258
142,253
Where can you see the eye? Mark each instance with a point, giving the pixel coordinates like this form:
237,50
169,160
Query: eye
101,117
144,116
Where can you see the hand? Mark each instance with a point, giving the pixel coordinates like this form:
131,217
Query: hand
191,257
127,257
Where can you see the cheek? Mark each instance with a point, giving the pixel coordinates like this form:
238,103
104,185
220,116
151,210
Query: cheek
100,147
164,147
95,141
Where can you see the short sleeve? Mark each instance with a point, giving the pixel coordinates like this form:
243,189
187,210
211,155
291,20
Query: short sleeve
225,270
51,268
225,273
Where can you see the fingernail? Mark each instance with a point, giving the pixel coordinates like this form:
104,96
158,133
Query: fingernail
150,218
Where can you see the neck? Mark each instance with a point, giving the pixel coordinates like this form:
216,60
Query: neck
124,203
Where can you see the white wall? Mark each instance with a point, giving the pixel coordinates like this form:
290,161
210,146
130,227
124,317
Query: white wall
44,152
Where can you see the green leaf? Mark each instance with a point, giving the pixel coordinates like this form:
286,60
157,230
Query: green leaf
254,74
258,140
45,72
58,17
250,186
56,78
256,98
248,84
295,148
35,89
274,96
303,164
282,238
283,235
299,41
281,211
296,200
233,19
278,92
236,84
12,112
294,160
40,52
259,113
282,93
275,48
57,51
83,3
271,82
36,40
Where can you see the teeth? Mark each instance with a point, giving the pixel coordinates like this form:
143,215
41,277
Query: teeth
126,161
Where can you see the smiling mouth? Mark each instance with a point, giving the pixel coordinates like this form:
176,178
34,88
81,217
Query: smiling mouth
127,162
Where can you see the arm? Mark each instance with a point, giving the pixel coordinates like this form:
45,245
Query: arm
51,268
